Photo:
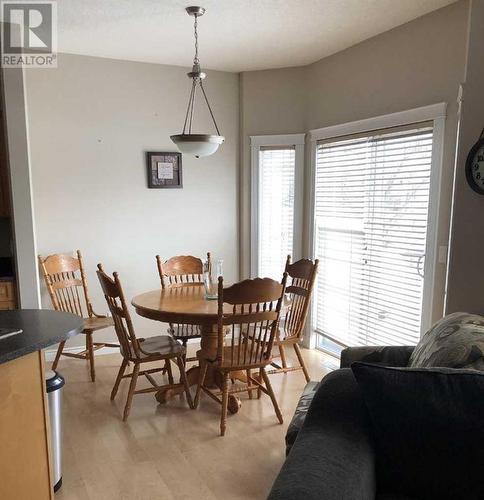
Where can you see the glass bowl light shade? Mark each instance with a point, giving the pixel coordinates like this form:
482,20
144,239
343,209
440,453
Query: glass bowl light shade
198,144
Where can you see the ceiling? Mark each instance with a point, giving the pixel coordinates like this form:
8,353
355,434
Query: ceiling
235,35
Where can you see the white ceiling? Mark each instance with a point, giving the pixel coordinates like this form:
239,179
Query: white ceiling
235,35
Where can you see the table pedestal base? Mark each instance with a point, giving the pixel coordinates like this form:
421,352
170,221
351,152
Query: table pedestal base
212,379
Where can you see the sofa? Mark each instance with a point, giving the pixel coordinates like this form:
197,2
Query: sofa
334,441
332,455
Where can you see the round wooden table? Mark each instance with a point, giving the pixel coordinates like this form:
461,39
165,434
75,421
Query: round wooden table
187,304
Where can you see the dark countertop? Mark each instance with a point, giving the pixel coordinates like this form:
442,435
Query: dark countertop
41,328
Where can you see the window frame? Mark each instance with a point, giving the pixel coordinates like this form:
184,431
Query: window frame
256,143
435,113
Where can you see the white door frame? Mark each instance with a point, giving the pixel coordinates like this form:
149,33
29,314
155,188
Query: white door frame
435,113
256,142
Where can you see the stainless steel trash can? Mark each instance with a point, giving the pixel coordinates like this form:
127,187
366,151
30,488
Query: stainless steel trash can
54,383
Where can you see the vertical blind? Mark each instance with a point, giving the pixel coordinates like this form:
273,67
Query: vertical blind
276,209
371,209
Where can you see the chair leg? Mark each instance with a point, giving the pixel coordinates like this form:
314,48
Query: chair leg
184,356
121,371
261,379
169,371
132,387
282,352
247,374
58,355
183,377
201,380
225,401
272,396
90,355
301,362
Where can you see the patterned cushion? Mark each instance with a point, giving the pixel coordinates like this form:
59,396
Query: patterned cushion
456,341
300,413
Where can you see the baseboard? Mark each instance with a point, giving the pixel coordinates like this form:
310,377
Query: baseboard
50,353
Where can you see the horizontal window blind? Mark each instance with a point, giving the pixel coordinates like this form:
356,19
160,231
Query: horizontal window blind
371,209
276,209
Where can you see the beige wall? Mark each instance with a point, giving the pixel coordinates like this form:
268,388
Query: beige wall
416,64
91,121
271,102
465,281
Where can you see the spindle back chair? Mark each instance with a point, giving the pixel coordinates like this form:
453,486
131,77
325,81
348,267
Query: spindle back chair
66,283
301,278
248,317
137,350
180,270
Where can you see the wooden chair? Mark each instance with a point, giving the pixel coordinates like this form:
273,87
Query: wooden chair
67,285
249,323
179,270
302,276
139,351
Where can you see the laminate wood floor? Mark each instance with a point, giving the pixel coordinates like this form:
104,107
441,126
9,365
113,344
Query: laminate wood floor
169,451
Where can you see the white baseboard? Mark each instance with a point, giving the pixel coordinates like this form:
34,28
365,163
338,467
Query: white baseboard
50,353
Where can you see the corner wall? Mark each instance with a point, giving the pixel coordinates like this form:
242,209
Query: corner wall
416,64
465,287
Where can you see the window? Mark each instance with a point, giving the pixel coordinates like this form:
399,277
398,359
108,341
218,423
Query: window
371,210
371,206
276,170
276,208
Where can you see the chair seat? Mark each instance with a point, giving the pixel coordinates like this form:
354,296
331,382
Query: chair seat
156,347
95,323
242,364
183,331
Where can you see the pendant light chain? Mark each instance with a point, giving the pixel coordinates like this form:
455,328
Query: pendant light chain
195,26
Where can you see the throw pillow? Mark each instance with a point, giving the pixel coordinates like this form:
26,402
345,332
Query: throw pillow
428,426
456,341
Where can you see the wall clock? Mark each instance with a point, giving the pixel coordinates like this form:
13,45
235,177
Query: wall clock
475,166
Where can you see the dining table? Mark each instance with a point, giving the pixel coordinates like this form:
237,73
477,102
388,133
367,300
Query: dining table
187,304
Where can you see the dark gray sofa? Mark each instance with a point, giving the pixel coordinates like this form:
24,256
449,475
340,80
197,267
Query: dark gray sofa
333,456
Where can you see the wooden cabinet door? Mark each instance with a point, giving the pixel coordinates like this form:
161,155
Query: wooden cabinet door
7,295
24,430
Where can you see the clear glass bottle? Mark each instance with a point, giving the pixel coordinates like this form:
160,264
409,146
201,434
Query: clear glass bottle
210,280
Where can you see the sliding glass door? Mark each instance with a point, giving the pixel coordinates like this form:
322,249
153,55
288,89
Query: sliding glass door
371,207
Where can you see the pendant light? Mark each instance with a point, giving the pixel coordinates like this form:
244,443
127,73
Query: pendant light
197,144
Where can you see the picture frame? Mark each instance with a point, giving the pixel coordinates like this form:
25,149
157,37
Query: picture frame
164,170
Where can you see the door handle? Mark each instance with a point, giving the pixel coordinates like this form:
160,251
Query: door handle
419,263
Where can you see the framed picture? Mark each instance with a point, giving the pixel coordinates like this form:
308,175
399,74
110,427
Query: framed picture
164,170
